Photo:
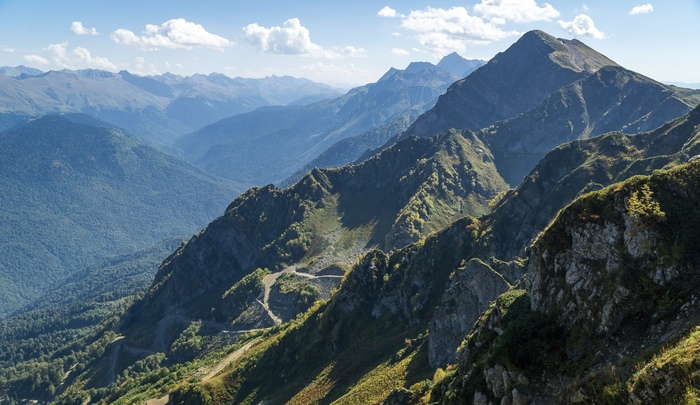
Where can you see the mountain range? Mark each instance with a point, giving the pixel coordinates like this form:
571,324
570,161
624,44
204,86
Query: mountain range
418,275
157,108
270,144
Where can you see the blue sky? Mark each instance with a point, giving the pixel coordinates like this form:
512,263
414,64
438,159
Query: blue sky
341,43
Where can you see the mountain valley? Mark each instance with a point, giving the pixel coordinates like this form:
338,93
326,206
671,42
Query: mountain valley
523,231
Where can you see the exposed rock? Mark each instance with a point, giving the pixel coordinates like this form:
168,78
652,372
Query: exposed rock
468,294
519,398
480,398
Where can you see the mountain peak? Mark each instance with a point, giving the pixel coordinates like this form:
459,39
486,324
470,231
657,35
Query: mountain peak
571,54
414,67
513,82
458,65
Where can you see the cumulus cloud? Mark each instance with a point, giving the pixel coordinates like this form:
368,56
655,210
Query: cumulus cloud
387,12
352,51
642,9
77,28
8,50
78,58
582,25
292,38
60,55
519,11
400,52
443,31
177,33
36,59
83,59
143,68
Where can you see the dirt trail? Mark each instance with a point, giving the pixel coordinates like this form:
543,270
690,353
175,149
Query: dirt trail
228,359
270,280
162,327
159,401
113,355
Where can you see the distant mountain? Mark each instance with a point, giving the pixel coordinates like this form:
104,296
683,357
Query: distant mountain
158,108
350,149
270,144
74,193
458,65
19,71
513,82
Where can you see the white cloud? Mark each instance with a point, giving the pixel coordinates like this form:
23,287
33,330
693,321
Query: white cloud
292,38
83,59
60,57
352,52
400,52
642,9
582,25
175,34
77,28
443,31
36,59
396,34
143,68
387,12
78,58
8,50
585,7
519,11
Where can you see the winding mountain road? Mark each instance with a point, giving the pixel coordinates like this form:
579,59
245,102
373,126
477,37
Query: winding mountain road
270,279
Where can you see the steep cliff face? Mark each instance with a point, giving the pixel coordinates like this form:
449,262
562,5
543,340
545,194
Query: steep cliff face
468,294
615,273
513,82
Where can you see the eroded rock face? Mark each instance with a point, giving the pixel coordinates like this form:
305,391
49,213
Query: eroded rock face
581,280
468,294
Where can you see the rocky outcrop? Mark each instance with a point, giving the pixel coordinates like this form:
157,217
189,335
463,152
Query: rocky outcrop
470,291
614,276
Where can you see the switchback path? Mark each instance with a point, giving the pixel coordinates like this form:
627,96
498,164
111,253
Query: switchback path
270,280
